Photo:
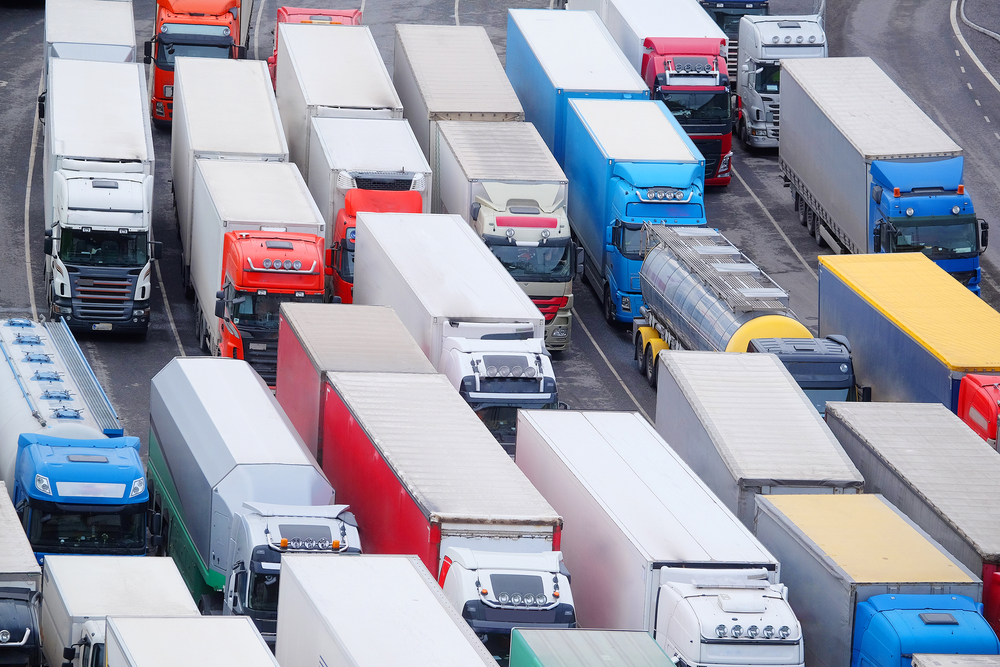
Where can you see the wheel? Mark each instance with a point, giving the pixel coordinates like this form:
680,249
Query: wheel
744,137
609,308
640,356
810,221
800,207
816,234
650,366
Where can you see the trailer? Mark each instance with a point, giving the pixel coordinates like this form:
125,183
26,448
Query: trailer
586,648
212,640
950,660
20,586
89,30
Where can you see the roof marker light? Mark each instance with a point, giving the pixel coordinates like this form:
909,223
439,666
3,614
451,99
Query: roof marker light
895,192
961,189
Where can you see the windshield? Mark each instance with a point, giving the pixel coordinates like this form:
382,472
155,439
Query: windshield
819,397
166,52
541,264
501,420
697,106
263,592
51,529
346,268
631,242
261,310
938,237
100,248
767,79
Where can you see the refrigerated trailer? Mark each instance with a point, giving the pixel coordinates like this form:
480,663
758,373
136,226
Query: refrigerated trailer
586,648
208,640
89,30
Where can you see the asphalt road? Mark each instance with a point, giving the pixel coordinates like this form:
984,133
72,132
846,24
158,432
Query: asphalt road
913,40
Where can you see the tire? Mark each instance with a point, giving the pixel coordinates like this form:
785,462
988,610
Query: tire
810,221
800,207
816,234
744,136
640,355
609,308
650,367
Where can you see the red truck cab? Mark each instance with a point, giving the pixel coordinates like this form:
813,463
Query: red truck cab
198,28
690,76
307,15
260,270
979,405
341,255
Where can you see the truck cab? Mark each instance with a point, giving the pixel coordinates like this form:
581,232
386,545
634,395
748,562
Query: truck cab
821,366
727,15
307,15
979,405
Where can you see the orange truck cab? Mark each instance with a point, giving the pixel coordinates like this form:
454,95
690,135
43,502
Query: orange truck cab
197,28
260,270
979,405
341,255
307,15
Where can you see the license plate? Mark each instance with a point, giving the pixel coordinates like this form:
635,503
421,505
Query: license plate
103,326
258,347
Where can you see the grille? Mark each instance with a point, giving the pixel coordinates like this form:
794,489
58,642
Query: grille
102,297
265,361
395,184
550,307
711,150
508,384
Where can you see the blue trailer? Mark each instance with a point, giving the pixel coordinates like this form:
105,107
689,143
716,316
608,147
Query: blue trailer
556,56
628,164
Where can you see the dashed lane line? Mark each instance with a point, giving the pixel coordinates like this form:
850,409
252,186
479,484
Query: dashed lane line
579,320
968,49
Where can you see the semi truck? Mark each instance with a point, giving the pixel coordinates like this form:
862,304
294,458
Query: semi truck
727,14
20,586
680,52
257,240
588,648
148,642
236,487
98,196
80,592
309,87
651,547
470,318
224,110
89,30
700,292
547,68
630,164
979,405
764,42
308,15
315,340
745,427
870,587
931,466
900,187
426,478
891,307
77,483
316,627
504,182
195,28
363,164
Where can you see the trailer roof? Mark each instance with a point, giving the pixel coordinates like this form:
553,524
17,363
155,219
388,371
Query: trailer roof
674,18
576,51
472,83
875,115
339,66
669,513
957,660
740,398
919,297
635,131
210,640
501,151
230,106
362,144
89,22
265,192
939,457
354,338
16,555
866,537
418,622
439,449
98,110
592,648
449,268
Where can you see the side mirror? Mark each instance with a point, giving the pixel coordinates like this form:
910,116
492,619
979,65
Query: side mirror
581,255
476,207
877,238
220,295
866,394
69,652
157,249
156,541
41,106
156,523
616,235
336,299
877,194
147,52
47,245
220,309
984,234
241,53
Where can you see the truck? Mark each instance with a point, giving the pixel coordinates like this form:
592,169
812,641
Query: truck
870,587
931,466
979,405
224,642
20,587
680,53
891,308
79,592
363,164
236,487
727,14
308,15
76,480
745,427
224,110
308,87
257,241
316,627
700,292
631,165
195,28
900,188
426,478
97,167
651,548
315,340
472,321
764,42
502,179
589,648
89,30
547,69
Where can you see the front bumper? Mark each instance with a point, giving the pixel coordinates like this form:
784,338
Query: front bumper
558,333
767,140
486,620
70,311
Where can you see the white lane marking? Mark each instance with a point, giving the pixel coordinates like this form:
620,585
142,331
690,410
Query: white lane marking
256,29
774,222
27,205
166,307
579,321
956,54
362,9
978,104
969,85
456,13
961,68
987,118
997,135
968,49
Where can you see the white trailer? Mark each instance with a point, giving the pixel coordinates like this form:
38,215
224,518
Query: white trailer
89,30
650,546
223,110
746,428
958,660
172,640
80,592
326,71
317,627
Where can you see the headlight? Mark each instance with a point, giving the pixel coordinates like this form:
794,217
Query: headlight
504,372
288,264
909,212
530,372
529,598
541,599
783,632
517,371
516,598
267,264
503,598
42,484
295,543
752,631
956,210
168,91
491,371
296,265
138,486
650,194
720,631
768,631
627,304
322,543
737,631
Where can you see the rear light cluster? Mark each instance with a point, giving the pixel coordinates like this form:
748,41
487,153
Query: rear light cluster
550,307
